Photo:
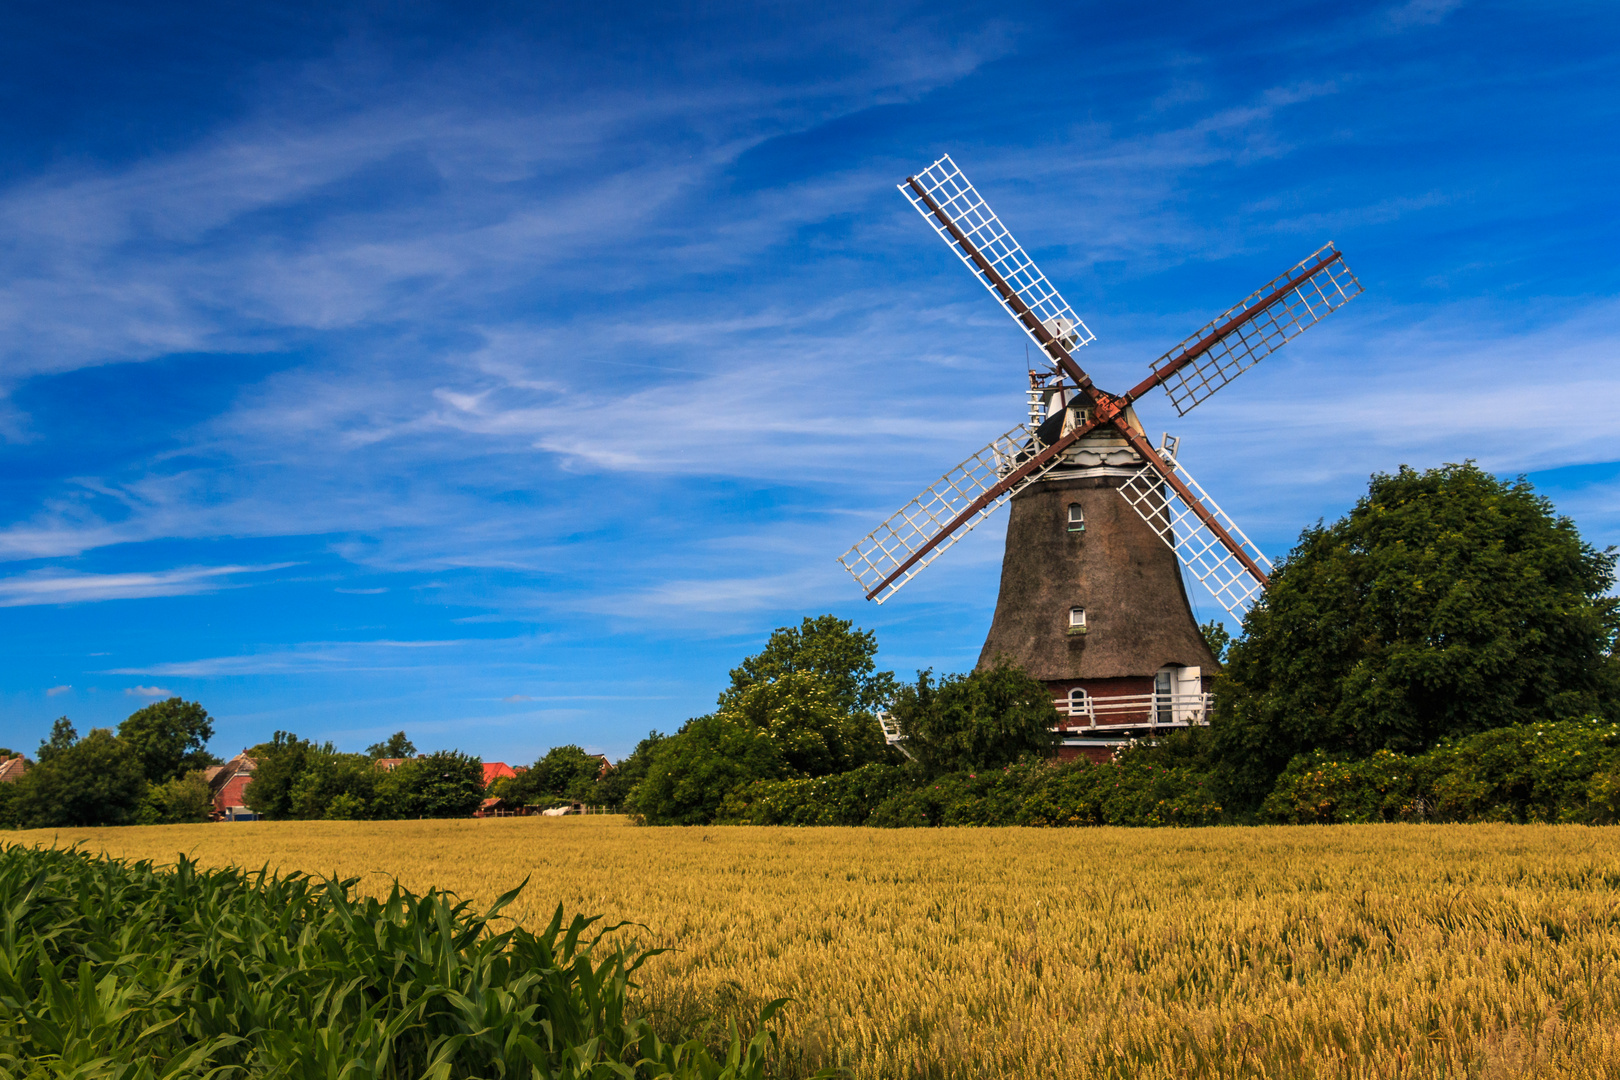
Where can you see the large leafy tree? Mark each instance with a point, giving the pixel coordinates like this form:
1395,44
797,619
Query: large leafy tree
63,736
279,766
615,785
440,785
333,785
692,771
1446,602
981,720
563,774
809,718
170,737
803,706
837,656
96,780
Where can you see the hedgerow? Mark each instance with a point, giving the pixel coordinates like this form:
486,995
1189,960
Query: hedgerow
1558,771
1141,786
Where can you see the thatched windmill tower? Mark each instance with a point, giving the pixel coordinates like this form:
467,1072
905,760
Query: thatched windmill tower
1091,597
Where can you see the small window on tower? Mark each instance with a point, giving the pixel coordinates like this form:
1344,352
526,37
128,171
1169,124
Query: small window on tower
1077,518
1077,620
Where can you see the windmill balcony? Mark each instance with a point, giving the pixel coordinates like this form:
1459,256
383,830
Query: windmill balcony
1122,716
1151,711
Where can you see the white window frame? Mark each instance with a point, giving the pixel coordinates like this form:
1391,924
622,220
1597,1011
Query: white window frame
1077,524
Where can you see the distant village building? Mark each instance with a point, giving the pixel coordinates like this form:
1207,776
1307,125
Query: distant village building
12,769
228,782
498,770
495,806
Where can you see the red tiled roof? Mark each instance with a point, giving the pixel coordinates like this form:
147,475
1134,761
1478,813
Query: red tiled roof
497,770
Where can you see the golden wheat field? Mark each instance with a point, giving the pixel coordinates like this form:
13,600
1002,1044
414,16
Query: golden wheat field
1375,951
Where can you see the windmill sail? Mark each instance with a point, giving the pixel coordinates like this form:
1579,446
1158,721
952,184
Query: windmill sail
892,554
943,196
1254,329
1186,529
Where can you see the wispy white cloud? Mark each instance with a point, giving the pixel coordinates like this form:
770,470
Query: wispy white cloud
55,690
147,691
1419,13
70,587
319,656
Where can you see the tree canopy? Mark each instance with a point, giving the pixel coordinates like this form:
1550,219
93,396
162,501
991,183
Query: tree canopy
63,736
170,738
803,706
981,720
692,771
397,745
96,780
1446,602
827,649
439,785
562,774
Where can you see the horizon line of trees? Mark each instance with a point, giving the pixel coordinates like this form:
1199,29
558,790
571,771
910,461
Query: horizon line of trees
152,770
1446,606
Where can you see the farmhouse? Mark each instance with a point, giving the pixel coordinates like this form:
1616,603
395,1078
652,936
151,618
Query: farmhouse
227,783
12,769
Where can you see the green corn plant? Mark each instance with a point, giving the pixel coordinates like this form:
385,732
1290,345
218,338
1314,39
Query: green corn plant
119,971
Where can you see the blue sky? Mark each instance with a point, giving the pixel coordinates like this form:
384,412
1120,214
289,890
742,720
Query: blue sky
506,375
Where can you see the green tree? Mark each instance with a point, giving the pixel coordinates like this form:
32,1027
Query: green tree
803,706
280,764
347,781
981,720
614,786
63,736
1446,602
97,780
804,713
563,774
398,745
173,802
1218,638
691,772
441,785
828,648
170,737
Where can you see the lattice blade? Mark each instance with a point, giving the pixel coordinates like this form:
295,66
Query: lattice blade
885,548
1257,327
1195,544
968,211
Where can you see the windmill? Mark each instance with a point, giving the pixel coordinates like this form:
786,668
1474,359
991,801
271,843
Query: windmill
1092,600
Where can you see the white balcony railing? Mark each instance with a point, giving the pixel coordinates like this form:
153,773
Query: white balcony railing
1134,710
1098,713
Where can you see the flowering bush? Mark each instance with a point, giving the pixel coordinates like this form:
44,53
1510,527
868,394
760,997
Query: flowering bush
1565,771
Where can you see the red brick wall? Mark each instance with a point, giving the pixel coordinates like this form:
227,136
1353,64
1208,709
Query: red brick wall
231,794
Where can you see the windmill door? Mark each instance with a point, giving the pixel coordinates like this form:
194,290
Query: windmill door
1164,689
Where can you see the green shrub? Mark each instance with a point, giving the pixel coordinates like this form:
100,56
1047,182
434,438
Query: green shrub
1566,771
126,972
187,799
845,799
